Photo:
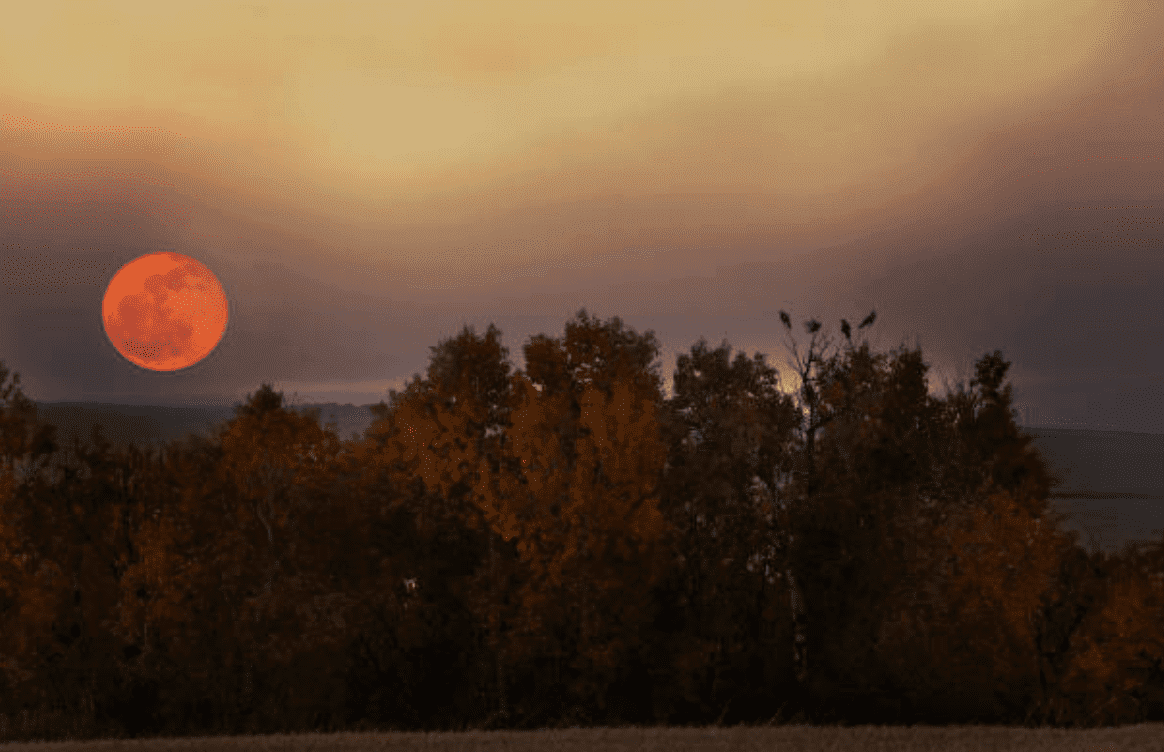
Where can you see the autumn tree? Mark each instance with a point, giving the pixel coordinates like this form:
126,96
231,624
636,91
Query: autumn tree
589,458
58,551
992,475
86,523
1099,643
889,497
25,448
72,522
294,523
559,466
1118,652
1000,562
729,432
232,566
446,432
470,375
855,521
801,492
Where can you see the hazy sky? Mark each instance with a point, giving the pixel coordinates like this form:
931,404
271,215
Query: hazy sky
364,178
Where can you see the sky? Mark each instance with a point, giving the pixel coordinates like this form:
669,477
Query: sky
366,178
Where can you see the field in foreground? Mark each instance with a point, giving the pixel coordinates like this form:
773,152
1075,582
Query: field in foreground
1140,738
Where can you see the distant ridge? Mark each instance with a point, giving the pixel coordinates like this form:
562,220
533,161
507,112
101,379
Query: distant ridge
154,425
1051,430
1104,495
1104,464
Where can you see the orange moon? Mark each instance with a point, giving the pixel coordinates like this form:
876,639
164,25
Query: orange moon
164,311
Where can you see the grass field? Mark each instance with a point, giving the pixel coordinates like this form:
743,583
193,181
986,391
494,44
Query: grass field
1139,738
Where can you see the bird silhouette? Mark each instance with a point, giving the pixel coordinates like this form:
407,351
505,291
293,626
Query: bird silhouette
786,320
812,326
845,329
868,320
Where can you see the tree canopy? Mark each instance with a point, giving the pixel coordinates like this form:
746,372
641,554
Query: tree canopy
562,545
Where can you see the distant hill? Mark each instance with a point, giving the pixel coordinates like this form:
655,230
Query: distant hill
1104,464
151,425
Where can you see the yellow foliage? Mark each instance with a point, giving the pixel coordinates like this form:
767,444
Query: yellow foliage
1120,641
1002,562
609,492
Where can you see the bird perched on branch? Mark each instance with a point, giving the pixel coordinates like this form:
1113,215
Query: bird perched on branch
868,320
845,329
786,320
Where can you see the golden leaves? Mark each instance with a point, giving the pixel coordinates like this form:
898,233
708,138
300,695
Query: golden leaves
1120,640
153,589
429,441
1003,561
573,506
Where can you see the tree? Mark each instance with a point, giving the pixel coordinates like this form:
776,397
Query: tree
993,552
57,581
808,369
475,371
542,462
1000,565
1099,644
729,432
856,536
71,523
1117,650
24,449
280,468
810,388
26,445
589,461
233,562
902,478
993,445
447,431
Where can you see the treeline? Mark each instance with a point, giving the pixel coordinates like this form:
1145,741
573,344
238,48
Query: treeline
563,546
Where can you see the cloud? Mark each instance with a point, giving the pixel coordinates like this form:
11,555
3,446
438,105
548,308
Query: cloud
985,175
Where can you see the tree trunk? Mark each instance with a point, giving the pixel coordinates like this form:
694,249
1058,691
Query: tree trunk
799,655
495,632
584,622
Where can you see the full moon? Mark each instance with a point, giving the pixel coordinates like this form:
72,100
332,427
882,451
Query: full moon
164,311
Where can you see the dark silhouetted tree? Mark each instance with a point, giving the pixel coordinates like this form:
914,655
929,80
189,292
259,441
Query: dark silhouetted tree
1099,641
26,445
855,536
807,368
993,554
588,448
730,438
996,446
447,431
57,576
232,572
892,494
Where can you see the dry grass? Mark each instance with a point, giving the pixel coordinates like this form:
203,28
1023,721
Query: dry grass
1140,738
